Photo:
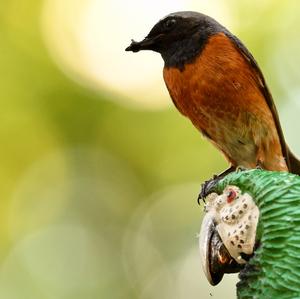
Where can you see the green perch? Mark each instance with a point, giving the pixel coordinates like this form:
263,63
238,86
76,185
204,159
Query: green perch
274,269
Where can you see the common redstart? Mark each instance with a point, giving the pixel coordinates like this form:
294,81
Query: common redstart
214,81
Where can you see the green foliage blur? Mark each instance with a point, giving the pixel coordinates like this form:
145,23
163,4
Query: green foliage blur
98,200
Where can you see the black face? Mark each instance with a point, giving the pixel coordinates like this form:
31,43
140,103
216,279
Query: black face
169,31
178,37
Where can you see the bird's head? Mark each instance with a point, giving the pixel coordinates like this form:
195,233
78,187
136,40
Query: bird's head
227,237
178,37
251,222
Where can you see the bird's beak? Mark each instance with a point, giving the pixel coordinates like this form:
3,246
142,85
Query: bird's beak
215,258
146,44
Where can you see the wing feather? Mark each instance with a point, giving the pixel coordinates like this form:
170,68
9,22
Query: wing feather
265,91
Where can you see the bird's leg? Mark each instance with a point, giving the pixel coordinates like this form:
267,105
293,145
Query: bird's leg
240,168
259,164
207,186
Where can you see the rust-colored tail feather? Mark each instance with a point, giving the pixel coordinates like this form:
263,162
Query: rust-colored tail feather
294,163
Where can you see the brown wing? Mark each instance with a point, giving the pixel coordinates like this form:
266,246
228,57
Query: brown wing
265,91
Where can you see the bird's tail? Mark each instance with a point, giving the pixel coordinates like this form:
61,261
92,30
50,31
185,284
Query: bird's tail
294,162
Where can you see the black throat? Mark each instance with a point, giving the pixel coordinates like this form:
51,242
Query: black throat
186,49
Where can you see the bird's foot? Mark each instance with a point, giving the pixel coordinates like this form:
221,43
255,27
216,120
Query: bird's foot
207,187
259,165
240,168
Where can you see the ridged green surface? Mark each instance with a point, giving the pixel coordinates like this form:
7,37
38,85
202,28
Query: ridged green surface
274,271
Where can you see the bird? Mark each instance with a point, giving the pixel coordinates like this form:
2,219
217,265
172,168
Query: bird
227,239
251,226
214,80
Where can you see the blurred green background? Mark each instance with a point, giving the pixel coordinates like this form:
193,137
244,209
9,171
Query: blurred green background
99,172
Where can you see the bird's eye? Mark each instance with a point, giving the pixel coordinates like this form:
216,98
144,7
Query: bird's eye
170,23
231,195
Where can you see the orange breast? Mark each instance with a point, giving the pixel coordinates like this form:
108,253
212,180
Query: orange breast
218,82
219,92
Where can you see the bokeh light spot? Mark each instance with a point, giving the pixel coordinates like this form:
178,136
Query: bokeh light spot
88,44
